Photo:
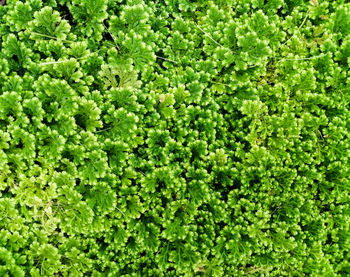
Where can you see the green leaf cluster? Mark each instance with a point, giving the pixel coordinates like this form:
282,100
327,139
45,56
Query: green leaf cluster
174,138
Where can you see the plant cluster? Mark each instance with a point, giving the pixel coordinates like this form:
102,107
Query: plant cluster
174,138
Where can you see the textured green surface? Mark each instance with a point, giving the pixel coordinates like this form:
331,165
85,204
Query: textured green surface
174,138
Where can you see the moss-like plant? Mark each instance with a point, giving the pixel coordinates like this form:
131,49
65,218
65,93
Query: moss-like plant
174,138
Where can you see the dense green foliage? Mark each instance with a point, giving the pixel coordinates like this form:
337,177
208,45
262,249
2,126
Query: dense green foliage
174,138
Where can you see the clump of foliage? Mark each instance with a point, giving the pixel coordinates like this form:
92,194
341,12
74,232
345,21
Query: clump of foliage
174,138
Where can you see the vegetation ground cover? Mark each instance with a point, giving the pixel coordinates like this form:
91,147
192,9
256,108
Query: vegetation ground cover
174,138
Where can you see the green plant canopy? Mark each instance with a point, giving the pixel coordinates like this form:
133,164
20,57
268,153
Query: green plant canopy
174,138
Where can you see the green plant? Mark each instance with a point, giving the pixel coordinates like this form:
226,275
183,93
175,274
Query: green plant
174,138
